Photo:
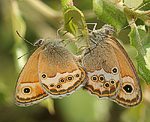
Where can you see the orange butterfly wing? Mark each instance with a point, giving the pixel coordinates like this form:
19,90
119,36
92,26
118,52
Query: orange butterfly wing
29,89
110,71
130,92
99,63
58,71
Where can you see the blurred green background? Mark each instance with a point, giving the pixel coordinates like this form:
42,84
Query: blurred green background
36,19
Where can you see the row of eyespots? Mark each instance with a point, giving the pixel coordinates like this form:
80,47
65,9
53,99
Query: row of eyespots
27,90
57,86
109,83
69,78
96,78
66,79
114,71
101,78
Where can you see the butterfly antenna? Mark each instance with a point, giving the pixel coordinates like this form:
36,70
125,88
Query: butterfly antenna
25,54
24,38
22,56
94,28
127,25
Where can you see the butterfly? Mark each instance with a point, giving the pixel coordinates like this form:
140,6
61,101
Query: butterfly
51,71
111,74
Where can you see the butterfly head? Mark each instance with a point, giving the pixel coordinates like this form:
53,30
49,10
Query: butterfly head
107,29
39,42
101,34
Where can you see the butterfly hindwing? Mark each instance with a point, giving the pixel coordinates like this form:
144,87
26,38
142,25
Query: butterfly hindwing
100,64
58,71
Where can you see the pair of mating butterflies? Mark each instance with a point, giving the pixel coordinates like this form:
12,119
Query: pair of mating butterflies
105,70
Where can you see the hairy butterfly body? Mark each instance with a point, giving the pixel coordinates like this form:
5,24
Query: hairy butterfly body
110,71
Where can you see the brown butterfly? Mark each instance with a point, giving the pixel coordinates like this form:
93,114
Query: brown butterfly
110,71
50,71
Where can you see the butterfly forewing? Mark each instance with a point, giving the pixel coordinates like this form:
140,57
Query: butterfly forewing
58,71
29,89
130,91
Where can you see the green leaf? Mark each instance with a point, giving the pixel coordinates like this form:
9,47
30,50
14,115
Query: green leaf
137,35
75,23
147,58
109,13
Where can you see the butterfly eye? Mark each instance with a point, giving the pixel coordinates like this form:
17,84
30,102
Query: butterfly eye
106,85
26,90
70,78
39,42
115,70
128,88
101,78
44,76
94,78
